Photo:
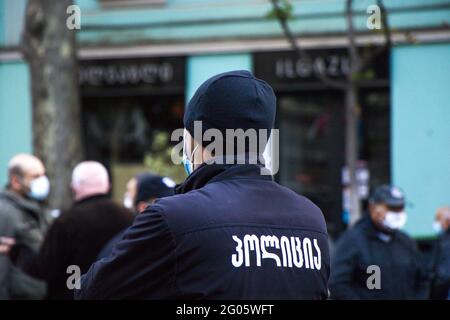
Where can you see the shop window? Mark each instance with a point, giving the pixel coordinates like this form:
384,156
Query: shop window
132,134
130,108
312,148
311,120
375,134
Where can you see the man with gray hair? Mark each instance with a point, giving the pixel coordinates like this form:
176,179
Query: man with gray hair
89,178
78,234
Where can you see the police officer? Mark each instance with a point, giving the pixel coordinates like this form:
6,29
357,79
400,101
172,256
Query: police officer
230,232
374,259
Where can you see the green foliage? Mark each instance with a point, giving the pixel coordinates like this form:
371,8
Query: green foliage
364,75
159,161
283,10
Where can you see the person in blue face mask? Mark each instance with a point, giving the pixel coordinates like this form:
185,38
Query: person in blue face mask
230,231
23,218
440,288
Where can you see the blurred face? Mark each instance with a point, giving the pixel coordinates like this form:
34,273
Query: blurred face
443,218
387,218
130,194
31,170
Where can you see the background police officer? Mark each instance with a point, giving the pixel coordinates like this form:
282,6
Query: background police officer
230,232
377,241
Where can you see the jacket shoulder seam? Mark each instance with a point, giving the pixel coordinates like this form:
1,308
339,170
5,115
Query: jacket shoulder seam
229,225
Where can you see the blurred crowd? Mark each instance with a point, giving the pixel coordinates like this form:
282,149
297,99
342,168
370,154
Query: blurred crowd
374,259
37,249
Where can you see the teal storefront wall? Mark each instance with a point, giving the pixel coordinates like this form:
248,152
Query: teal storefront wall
420,83
181,20
202,67
15,114
2,24
420,104
11,19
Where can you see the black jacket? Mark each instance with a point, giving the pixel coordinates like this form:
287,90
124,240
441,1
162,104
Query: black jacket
402,273
229,233
441,270
23,219
75,238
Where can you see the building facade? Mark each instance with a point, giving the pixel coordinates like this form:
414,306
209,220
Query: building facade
141,60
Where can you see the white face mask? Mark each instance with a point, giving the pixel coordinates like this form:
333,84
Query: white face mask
187,162
128,202
437,227
394,220
39,188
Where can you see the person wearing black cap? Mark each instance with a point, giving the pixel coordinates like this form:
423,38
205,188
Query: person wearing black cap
230,232
374,259
142,190
145,188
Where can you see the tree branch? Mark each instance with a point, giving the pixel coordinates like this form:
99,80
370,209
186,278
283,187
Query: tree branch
355,60
387,37
386,28
282,19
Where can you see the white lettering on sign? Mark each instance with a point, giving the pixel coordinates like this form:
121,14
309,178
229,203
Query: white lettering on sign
284,252
331,66
121,74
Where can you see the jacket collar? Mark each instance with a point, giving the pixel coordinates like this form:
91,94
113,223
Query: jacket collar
22,202
207,173
371,230
91,198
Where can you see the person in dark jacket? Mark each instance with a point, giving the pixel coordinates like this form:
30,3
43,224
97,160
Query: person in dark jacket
22,217
76,237
374,259
142,190
440,288
145,188
230,232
